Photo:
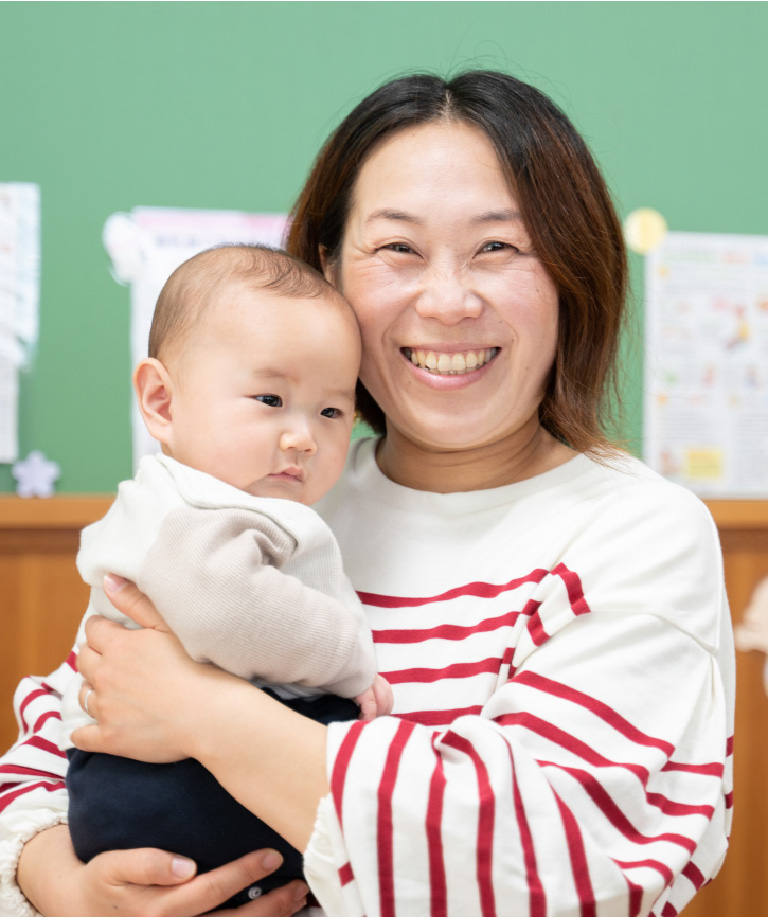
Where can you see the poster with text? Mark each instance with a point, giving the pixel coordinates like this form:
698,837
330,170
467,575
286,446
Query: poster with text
706,363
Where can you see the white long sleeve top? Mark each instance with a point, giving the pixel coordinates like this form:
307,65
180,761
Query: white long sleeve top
254,585
561,659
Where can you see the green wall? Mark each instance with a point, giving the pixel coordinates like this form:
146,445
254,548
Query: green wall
223,105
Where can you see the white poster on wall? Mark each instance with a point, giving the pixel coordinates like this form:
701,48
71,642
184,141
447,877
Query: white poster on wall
19,300
706,363
149,243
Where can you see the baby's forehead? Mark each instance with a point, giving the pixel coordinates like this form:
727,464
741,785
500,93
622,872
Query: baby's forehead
240,294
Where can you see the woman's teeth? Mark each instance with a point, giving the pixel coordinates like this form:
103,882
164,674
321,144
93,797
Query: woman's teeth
450,364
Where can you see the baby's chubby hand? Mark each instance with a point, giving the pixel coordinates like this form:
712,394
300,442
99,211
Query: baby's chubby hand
375,701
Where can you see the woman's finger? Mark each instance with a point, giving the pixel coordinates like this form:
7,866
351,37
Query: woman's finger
85,699
127,598
285,900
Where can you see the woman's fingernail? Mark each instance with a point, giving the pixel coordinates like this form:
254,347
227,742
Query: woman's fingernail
182,867
272,860
113,583
300,890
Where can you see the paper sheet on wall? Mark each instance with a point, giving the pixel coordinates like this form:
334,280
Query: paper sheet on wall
19,300
148,244
706,400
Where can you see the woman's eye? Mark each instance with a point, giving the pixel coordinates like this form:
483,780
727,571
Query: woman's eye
399,247
331,413
497,246
272,401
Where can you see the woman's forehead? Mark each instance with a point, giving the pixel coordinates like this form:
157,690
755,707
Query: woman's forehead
427,170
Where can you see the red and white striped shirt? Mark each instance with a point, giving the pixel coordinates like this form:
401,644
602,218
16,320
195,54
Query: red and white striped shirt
561,658
562,665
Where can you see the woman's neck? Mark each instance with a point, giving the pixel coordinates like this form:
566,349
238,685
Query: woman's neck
517,458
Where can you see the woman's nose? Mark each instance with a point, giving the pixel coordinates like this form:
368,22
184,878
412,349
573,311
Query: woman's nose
298,436
448,297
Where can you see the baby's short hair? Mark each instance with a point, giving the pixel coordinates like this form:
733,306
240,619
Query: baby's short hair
190,288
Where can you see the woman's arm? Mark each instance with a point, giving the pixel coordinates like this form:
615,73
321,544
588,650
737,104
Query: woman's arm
142,881
35,847
150,699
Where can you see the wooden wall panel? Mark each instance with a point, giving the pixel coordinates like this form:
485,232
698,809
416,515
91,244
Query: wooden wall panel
42,597
42,600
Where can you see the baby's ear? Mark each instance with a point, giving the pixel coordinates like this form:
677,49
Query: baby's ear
154,392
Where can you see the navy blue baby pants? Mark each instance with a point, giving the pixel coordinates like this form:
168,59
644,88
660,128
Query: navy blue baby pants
120,803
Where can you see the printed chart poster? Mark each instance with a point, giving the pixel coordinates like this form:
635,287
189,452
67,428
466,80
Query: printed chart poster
148,244
706,402
19,300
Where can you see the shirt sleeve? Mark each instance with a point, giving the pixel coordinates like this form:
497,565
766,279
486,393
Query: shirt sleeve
33,795
216,579
597,778
553,801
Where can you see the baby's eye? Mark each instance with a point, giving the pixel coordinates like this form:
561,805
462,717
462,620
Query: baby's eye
331,413
272,401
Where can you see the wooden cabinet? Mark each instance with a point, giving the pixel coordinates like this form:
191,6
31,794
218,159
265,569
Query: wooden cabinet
42,600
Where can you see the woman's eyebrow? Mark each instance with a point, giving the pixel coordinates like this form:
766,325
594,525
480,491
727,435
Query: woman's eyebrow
498,216
400,215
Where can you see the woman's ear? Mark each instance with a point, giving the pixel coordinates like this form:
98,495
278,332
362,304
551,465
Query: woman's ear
328,266
154,392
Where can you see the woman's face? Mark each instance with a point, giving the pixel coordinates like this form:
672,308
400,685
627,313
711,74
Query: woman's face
458,316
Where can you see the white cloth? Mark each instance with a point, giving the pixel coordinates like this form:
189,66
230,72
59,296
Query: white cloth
254,585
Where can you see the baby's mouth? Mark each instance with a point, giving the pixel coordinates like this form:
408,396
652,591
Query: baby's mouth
443,364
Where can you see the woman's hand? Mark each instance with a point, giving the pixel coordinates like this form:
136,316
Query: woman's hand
144,881
153,703
139,685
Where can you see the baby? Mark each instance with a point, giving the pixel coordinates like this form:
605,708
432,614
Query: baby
249,388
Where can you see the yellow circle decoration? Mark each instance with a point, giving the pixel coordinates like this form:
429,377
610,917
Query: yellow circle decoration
644,229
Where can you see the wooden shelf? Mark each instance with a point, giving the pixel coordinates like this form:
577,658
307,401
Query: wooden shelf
71,511
739,514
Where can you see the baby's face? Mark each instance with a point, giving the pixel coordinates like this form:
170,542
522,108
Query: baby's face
264,391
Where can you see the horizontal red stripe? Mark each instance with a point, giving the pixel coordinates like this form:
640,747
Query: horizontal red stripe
345,874
598,708
72,660
7,799
652,863
729,801
729,745
46,717
44,745
24,770
440,718
423,674
443,632
37,693
715,769
477,588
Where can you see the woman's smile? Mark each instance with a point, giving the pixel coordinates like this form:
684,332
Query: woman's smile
449,363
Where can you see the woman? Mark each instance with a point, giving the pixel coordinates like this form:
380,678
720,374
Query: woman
551,613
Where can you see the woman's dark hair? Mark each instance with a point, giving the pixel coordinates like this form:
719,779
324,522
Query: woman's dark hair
562,197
